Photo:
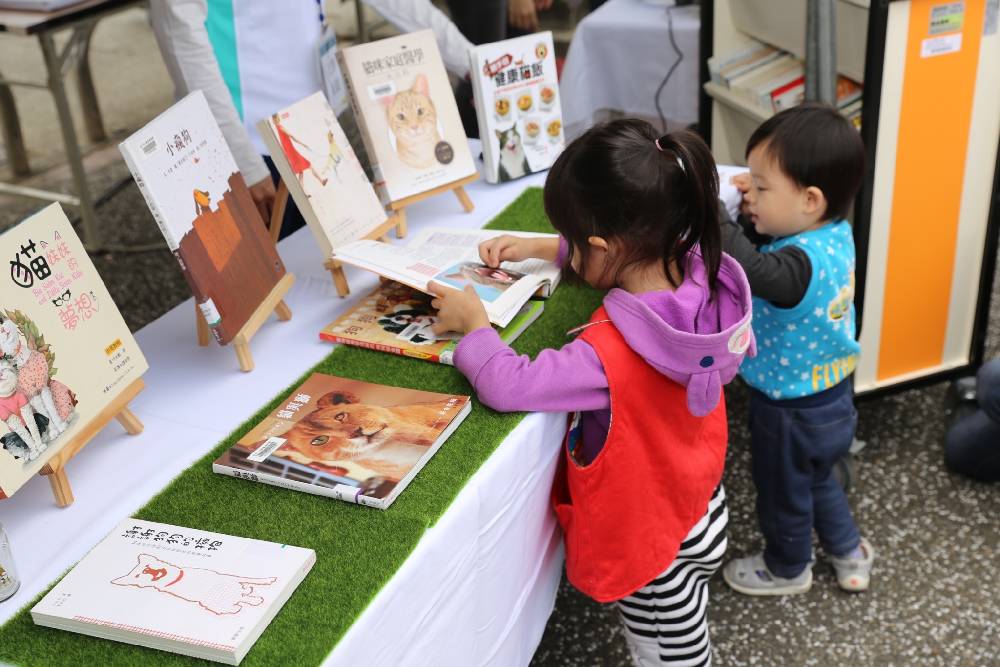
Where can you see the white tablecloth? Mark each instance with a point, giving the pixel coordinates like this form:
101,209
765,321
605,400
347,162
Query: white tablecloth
480,584
618,58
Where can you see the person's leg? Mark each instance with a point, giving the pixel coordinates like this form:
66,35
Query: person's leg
826,431
665,622
481,21
293,220
783,478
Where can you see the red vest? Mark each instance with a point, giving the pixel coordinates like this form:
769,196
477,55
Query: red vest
625,515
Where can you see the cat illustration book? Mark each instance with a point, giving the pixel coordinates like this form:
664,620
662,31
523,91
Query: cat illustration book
189,591
322,172
65,351
215,592
517,103
221,242
348,439
404,103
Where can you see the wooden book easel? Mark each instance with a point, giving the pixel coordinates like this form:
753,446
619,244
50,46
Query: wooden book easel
458,187
272,303
118,409
335,268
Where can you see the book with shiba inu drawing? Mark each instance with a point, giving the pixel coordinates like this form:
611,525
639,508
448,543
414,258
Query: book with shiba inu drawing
66,353
183,590
347,439
186,173
409,119
322,173
398,319
517,104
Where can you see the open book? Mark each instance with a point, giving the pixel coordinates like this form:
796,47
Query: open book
450,257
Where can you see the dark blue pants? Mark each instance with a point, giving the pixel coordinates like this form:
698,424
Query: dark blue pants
972,445
794,445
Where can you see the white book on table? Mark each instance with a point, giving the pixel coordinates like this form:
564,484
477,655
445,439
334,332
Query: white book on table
188,591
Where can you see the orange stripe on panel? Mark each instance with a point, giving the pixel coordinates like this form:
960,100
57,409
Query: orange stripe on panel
935,113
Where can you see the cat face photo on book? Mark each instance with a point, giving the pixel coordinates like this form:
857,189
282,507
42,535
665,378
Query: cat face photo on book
215,592
513,161
413,123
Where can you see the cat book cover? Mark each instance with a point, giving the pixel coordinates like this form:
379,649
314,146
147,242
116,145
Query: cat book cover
518,105
184,590
322,172
404,103
65,351
347,439
184,169
398,319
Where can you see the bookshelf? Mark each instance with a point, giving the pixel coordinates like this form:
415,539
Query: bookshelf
927,219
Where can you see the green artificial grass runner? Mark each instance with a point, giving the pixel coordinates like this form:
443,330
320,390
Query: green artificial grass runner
358,549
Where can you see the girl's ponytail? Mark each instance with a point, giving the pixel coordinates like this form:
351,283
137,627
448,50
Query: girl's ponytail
701,200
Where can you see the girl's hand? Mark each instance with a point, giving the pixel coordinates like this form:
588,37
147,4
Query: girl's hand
505,248
457,310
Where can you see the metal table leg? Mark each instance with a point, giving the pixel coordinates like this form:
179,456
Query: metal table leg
85,85
12,139
54,69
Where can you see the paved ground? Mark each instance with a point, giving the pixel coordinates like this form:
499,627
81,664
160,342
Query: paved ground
935,598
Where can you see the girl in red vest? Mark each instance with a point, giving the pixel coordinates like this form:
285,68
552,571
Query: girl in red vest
638,491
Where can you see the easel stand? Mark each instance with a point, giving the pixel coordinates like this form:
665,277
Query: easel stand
273,302
458,187
336,269
118,409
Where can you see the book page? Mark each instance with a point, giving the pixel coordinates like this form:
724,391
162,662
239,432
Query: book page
451,258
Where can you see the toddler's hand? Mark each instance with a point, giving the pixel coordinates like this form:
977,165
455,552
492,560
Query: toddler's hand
505,248
457,310
743,183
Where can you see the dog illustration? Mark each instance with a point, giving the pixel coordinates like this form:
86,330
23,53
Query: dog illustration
213,591
387,441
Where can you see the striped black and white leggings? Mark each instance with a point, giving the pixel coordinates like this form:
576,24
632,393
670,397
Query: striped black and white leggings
666,620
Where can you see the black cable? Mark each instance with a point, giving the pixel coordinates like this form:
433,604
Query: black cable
670,72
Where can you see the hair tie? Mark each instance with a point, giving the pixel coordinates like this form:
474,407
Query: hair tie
677,156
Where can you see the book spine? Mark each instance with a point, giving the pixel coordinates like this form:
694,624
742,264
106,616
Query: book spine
378,347
343,492
482,115
205,305
359,117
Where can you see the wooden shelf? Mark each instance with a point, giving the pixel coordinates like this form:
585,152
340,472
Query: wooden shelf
783,24
737,102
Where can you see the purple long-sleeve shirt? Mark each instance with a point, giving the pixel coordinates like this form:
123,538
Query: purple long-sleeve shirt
682,333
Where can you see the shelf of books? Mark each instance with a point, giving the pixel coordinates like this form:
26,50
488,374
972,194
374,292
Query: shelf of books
926,219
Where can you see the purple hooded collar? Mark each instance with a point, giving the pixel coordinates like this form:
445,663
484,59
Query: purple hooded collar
691,338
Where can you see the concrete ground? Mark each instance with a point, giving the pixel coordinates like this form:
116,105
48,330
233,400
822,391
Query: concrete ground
934,598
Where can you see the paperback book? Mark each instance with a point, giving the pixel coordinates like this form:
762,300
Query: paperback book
355,441
322,173
518,106
66,353
176,589
399,320
450,257
409,120
184,169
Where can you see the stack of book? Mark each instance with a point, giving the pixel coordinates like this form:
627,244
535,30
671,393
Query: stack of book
774,80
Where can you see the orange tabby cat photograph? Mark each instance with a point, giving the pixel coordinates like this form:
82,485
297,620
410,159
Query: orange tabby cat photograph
413,122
